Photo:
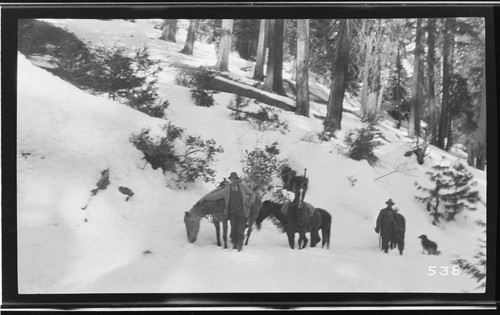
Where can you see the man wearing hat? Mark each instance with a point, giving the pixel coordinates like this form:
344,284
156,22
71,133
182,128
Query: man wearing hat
237,195
386,224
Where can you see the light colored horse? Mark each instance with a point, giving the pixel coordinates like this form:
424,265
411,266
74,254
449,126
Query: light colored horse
193,217
213,208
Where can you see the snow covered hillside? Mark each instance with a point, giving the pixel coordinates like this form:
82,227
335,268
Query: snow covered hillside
67,137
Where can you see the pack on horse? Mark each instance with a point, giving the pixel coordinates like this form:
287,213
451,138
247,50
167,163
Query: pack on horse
216,208
271,208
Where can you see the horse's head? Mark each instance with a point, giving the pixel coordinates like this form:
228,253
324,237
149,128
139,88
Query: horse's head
192,223
300,189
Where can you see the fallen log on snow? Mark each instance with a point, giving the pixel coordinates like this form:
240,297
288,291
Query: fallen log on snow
229,86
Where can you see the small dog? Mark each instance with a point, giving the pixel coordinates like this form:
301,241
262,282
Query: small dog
429,246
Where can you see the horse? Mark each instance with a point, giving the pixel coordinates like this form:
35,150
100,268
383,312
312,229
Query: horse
271,208
325,227
216,210
200,210
396,237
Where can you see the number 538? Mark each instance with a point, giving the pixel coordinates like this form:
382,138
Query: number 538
443,270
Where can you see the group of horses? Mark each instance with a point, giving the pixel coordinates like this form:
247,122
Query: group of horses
296,216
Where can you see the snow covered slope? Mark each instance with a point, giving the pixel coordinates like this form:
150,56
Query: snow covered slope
67,137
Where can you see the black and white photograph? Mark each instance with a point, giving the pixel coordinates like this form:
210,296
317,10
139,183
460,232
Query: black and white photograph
179,155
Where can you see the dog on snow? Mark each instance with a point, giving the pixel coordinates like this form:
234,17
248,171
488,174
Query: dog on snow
429,246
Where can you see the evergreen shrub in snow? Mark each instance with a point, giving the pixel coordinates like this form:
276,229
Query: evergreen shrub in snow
201,82
267,118
130,79
202,97
361,143
39,37
237,104
189,164
260,166
326,135
451,193
476,267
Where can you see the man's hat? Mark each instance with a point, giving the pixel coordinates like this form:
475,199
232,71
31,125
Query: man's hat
389,202
233,175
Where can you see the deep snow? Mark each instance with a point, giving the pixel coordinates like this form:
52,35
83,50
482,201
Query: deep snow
66,138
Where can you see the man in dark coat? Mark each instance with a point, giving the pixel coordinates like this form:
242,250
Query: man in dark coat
387,225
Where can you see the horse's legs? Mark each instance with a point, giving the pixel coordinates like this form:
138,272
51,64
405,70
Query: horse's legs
249,231
314,237
217,232
224,232
291,239
385,243
325,238
241,233
233,232
304,240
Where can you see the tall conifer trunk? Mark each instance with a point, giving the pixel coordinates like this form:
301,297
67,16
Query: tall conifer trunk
191,36
274,75
224,46
261,51
447,70
417,90
431,41
339,80
302,101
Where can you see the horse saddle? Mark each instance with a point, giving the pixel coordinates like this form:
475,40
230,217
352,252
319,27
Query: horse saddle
307,207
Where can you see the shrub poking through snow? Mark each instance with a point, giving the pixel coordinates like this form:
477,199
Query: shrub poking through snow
451,193
326,135
362,142
130,79
476,267
156,110
202,97
260,167
127,78
189,163
237,104
267,118
201,82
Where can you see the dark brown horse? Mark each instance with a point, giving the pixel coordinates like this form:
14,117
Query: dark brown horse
274,209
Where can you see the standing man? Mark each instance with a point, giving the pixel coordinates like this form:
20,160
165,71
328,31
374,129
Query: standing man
237,195
386,225
238,199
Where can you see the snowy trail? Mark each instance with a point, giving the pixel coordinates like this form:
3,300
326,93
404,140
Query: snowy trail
66,138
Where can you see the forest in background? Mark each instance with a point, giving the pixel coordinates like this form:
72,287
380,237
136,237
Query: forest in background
427,73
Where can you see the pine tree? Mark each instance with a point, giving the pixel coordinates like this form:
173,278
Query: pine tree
433,198
274,75
302,69
477,267
452,189
237,104
462,196
190,37
261,50
339,79
224,46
